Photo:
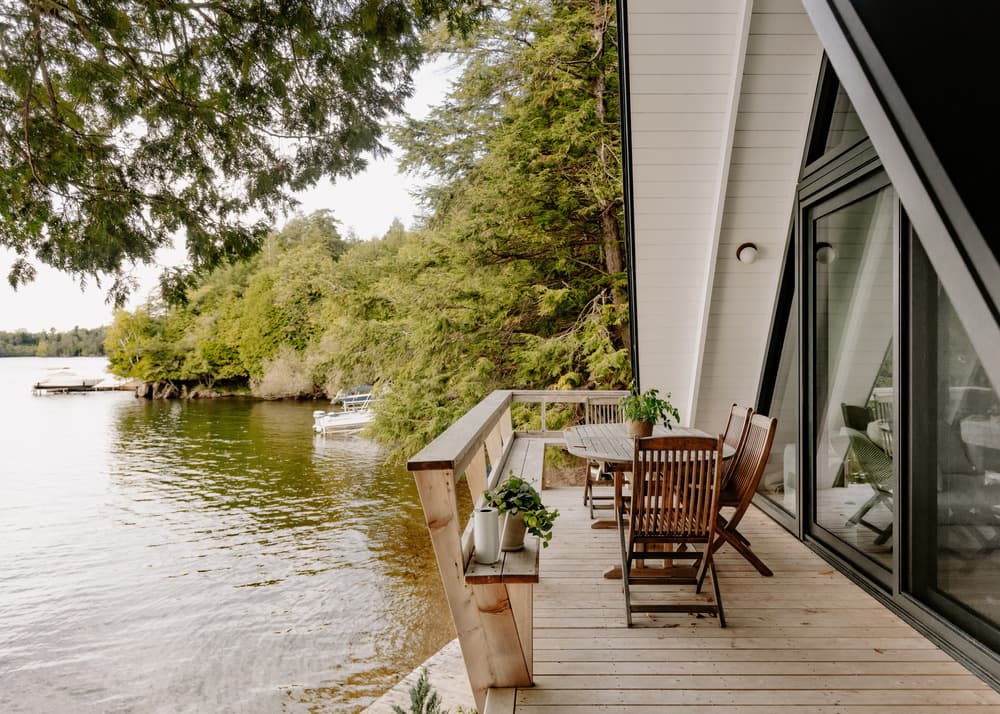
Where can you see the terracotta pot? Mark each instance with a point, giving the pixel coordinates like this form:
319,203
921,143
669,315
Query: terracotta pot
640,428
513,532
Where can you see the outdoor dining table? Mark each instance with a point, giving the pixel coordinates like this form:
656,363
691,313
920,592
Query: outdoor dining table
611,444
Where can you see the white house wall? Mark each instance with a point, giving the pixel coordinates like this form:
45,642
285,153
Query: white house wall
776,99
721,94
683,56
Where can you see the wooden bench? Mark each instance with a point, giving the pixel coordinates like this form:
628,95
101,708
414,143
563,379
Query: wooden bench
525,460
491,607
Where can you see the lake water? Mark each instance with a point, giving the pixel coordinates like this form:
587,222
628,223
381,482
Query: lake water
205,556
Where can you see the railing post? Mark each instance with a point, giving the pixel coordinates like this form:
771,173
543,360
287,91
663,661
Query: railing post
485,621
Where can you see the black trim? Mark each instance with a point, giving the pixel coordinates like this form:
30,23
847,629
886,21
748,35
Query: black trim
625,94
846,170
781,312
846,187
907,144
822,115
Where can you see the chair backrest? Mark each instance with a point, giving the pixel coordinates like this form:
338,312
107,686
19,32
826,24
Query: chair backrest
736,427
603,410
856,417
675,488
748,464
874,463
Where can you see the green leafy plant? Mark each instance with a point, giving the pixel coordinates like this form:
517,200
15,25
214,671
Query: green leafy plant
649,407
515,495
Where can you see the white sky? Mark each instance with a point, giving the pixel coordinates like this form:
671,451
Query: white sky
368,203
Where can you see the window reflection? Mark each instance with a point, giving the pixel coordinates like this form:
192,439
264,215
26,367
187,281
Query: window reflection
962,490
854,488
779,482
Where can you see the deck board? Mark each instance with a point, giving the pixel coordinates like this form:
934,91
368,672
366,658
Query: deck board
805,640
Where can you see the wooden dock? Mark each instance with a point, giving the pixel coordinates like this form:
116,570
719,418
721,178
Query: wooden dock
805,640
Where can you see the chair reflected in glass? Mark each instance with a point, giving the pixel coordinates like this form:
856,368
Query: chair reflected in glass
675,500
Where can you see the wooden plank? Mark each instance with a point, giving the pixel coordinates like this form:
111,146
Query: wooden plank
521,601
456,446
494,445
728,698
521,566
437,496
717,668
806,640
782,681
505,650
749,709
475,474
500,700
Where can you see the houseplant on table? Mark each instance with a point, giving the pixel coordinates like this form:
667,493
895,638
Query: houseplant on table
642,411
523,510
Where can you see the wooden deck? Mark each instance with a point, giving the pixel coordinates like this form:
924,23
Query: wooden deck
805,640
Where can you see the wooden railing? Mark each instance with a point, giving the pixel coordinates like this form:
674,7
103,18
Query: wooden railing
493,620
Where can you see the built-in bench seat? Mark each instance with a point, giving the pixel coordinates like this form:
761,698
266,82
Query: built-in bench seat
525,460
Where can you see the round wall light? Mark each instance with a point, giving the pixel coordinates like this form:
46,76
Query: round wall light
825,253
746,253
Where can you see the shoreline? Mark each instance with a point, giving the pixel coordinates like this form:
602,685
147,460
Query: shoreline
447,677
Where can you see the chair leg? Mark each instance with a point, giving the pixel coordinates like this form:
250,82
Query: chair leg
718,593
728,536
863,511
625,567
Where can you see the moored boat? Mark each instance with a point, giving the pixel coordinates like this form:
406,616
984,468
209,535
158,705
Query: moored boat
63,381
355,414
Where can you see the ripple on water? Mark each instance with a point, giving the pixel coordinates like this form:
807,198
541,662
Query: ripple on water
204,556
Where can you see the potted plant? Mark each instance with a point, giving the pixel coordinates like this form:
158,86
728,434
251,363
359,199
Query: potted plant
523,510
642,411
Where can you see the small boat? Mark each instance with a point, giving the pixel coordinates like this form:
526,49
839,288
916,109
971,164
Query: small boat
356,412
361,395
63,380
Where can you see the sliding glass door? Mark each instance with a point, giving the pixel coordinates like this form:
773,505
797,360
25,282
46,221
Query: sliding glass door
849,239
955,462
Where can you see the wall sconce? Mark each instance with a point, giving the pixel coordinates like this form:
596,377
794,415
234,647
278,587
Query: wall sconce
825,253
746,253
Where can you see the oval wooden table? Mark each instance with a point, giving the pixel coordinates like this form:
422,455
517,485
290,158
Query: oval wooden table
611,444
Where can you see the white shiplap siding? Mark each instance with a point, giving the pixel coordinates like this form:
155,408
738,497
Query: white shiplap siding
682,56
779,82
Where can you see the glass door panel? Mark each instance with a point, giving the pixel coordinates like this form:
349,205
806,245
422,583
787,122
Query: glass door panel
955,460
853,484
779,482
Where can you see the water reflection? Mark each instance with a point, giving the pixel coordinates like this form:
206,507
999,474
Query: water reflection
220,558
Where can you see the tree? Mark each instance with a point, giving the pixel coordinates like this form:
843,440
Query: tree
527,150
124,121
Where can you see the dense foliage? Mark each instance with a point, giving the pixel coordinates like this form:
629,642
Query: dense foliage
515,280
124,121
74,343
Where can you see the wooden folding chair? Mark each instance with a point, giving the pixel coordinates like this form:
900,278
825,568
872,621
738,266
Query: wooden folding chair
745,471
675,494
875,469
600,410
735,436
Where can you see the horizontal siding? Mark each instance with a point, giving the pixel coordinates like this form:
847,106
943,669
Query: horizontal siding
779,81
681,60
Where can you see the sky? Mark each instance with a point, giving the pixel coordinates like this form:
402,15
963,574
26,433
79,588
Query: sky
367,203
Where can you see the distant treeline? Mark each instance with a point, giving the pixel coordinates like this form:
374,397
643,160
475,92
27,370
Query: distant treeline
78,342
